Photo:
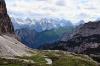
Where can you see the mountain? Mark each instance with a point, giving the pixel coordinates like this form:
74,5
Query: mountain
14,53
34,39
46,30
86,37
84,40
40,24
9,45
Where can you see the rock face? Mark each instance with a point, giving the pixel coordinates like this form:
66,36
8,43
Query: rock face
5,22
88,29
85,39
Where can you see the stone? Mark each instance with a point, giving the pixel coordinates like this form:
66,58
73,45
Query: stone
5,22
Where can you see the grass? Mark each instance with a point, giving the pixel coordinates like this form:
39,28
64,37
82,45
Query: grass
59,58
12,65
72,61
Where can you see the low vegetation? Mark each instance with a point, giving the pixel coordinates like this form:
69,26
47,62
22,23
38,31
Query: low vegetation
59,58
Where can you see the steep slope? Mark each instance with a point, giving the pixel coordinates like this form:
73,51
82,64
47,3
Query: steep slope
85,38
5,22
9,45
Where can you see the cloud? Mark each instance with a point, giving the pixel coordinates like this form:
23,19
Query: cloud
69,9
61,3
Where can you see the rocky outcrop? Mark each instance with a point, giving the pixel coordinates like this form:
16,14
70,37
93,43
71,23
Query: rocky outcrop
88,29
5,22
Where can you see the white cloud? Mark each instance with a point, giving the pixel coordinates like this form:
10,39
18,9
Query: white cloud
69,9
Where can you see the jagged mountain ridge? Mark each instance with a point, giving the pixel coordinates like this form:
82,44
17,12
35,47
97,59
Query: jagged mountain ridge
35,33
41,24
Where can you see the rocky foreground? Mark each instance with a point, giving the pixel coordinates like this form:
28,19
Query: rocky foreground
50,58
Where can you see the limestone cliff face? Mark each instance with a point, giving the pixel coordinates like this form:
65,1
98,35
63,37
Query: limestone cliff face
5,22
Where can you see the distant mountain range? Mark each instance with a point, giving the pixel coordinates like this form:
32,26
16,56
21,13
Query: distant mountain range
42,31
39,31
41,24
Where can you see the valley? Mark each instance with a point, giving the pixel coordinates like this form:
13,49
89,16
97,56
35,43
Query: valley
48,41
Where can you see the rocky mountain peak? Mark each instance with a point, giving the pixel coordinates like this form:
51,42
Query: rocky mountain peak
88,29
2,7
5,22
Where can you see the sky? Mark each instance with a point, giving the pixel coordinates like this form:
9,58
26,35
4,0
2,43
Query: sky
68,9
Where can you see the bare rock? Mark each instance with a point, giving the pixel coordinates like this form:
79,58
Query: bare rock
5,22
